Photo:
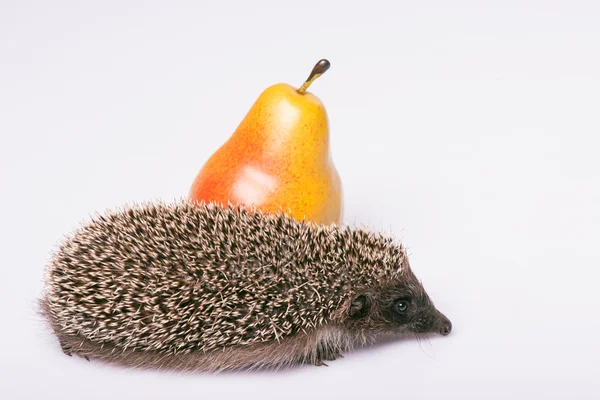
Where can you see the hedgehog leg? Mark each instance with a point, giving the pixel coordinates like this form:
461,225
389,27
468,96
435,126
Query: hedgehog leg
327,352
333,355
319,363
68,350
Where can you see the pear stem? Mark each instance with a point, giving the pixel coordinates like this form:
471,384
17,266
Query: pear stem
319,69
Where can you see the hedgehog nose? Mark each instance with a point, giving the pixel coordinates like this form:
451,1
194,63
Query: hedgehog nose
443,324
446,328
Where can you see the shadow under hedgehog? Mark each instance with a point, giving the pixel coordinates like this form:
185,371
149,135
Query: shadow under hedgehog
200,287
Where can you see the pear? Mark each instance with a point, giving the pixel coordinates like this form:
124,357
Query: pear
278,158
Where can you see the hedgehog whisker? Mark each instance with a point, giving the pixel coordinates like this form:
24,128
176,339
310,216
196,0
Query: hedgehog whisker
424,338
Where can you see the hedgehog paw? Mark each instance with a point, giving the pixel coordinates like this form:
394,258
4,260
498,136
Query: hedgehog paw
319,363
332,356
68,350
329,354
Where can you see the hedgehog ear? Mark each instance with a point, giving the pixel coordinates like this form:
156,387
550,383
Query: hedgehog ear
359,307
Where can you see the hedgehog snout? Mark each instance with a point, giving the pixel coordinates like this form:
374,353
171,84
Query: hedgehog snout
444,325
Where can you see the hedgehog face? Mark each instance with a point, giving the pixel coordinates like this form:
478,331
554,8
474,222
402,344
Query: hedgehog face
401,308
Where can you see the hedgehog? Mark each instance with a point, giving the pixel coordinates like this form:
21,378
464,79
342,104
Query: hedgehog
205,287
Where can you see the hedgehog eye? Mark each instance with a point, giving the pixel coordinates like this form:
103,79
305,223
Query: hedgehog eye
401,305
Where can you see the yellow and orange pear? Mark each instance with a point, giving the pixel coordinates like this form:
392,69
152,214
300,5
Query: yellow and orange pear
278,158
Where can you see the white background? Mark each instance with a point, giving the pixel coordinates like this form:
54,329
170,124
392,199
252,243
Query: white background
469,131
